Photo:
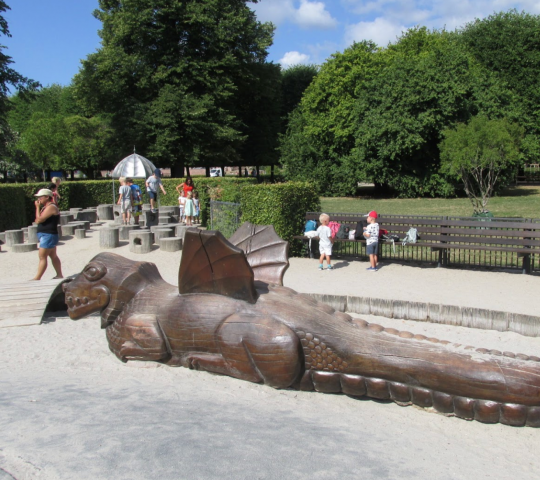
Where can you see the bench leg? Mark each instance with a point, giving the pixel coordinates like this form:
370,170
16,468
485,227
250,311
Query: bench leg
526,264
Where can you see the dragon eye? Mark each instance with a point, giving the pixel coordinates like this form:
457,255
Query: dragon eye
94,271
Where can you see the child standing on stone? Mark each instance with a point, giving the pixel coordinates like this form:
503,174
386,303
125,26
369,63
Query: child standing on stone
325,241
124,200
189,209
371,234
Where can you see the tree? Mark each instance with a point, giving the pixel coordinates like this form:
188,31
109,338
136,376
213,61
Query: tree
321,130
508,44
294,82
172,73
483,154
9,76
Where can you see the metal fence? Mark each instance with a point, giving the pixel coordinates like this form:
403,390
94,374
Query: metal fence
458,257
224,217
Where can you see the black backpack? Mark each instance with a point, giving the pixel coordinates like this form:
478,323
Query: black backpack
343,232
359,233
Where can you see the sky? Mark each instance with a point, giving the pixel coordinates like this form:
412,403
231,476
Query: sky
49,38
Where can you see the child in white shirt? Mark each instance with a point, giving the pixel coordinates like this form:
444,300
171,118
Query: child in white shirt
325,241
371,233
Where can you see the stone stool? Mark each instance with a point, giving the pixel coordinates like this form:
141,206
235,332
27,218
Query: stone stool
81,223
68,229
80,233
87,215
170,244
13,237
140,241
3,237
162,233
109,237
181,231
23,247
66,218
105,212
165,219
32,234
125,229
74,210
150,219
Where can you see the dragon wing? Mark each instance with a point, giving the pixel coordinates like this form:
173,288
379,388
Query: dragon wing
266,252
210,264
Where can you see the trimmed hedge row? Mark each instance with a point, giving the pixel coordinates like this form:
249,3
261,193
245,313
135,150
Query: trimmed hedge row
282,205
90,193
13,213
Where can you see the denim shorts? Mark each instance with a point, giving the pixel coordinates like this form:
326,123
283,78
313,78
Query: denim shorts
47,240
372,248
152,195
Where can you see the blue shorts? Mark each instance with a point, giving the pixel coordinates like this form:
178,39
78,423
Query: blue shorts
152,195
372,248
47,240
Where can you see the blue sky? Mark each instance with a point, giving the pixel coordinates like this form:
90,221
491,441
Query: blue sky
51,37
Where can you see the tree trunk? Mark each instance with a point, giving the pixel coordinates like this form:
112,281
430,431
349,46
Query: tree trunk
223,170
72,176
258,173
177,170
207,171
272,173
239,171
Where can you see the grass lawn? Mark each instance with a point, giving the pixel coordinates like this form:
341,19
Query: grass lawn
523,201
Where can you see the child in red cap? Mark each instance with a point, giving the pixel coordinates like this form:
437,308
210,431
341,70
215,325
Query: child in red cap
371,233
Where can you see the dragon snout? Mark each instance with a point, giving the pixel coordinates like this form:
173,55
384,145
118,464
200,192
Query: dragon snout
83,301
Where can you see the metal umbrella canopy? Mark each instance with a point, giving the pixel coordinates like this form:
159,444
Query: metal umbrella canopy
133,166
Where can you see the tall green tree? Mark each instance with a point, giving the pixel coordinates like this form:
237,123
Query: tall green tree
9,78
171,74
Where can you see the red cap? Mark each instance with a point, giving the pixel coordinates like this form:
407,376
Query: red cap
372,214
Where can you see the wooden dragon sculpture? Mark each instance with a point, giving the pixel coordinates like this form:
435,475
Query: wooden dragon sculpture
232,316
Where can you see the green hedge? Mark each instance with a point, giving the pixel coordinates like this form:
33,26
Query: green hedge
13,213
91,193
282,205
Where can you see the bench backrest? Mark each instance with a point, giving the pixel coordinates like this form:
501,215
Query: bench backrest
482,231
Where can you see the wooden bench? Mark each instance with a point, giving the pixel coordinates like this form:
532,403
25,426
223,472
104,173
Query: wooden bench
444,235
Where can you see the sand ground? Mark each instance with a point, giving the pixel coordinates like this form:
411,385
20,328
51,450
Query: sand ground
70,410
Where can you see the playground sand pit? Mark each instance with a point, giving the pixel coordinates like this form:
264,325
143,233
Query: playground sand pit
70,409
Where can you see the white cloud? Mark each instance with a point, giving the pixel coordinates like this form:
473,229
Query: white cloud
314,15
293,58
308,15
275,11
381,31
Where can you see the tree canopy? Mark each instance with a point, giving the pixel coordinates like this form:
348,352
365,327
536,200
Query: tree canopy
174,77
377,114
481,154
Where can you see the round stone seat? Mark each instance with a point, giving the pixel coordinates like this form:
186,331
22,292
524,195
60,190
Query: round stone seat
68,229
109,237
23,247
140,241
162,233
14,237
105,212
80,233
125,229
32,234
170,244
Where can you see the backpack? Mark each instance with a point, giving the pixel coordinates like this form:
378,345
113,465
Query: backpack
359,231
343,232
411,237
382,233
311,226
334,226
136,195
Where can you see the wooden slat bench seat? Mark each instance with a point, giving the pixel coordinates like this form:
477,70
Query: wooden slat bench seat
443,235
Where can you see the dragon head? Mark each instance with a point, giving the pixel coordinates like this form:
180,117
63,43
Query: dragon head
105,285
